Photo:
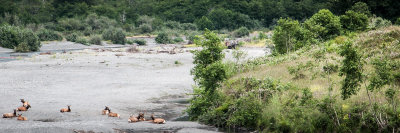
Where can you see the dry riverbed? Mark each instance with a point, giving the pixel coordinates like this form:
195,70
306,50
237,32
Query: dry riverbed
150,81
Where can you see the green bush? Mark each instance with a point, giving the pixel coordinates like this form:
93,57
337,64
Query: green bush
82,40
98,23
397,21
130,42
178,40
262,35
378,22
191,38
145,20
247,109
163,38
11,37
72,37
173,25
31,40
286,35
241,32
189,26
361,7
108,34
324,25
96,39
204,23
140,41
227,19
71,24
117,36
354,21
145,28
23,47
87,32
49,35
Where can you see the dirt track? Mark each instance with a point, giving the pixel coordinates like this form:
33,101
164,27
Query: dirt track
90,79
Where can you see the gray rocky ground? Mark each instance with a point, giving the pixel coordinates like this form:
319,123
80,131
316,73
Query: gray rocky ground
91,77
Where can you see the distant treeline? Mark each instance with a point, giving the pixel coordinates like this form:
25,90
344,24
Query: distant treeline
219,14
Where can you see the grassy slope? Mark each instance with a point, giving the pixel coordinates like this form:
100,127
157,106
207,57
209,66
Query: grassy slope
367,41
372,44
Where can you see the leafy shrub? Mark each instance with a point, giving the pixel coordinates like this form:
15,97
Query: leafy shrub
71,24
173,25
130,42
95,40
98,23
397,21
12,37
323,25
108,34
72,37
191,38
23,47
31,40
117,36
354,21
9,36
297,71
188,26
378,22
247,110
361,7
178,40
145,20
163,38
209,72
330,68
241,32
228,19
262,35
49,35
140,41
145,28
87,32
204,23
82,40
286,35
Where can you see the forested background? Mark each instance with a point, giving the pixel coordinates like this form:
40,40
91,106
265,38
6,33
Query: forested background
224,14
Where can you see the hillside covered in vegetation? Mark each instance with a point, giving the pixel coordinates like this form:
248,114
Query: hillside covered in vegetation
328,73
93,21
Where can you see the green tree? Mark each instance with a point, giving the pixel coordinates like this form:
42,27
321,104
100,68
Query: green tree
285,35
361,7
397,21
22,40
204,23
323,25
354,21
241,32
208,73
163,38
351,69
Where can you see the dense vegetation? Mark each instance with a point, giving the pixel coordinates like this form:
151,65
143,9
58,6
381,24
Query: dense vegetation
328,73
58,19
